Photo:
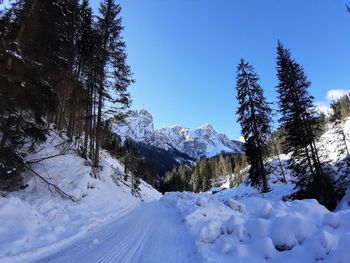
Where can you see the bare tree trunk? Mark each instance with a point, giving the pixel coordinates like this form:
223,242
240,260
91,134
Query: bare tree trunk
279,160
93,124
98,125
87,127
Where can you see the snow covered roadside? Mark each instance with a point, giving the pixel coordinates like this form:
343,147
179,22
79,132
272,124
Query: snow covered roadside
37,221
246,226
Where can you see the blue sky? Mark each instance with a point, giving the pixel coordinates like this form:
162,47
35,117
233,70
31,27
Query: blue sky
184,53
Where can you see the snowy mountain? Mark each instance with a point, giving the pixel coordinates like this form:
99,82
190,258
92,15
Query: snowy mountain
203,141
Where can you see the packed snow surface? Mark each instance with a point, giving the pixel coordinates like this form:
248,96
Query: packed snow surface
151,233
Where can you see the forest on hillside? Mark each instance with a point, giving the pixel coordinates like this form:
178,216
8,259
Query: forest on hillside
63,67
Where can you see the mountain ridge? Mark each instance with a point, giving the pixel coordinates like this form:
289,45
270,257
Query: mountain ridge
203,141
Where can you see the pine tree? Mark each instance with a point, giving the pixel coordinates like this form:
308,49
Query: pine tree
205,174
196,180
113,73
31,54
254,116
299,122
59,65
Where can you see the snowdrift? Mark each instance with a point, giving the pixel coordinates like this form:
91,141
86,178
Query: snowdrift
260,228
243,225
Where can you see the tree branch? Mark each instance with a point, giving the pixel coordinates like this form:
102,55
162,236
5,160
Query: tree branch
55,187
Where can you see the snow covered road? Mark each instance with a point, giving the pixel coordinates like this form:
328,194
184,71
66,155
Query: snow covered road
153,232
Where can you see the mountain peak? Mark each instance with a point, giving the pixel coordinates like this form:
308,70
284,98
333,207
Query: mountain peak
206,126
203,141
142,118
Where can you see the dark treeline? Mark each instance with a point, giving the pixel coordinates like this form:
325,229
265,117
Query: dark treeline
60,64
205,173
300,128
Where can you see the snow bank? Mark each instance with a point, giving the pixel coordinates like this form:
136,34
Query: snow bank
243,225
36,220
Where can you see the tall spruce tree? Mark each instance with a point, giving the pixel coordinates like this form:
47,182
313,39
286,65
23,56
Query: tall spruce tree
114,73
33,49
254,116
299,121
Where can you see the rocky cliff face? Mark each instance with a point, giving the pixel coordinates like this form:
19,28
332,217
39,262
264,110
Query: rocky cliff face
201,142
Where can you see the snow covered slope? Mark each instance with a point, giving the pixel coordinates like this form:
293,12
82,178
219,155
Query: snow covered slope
244,225
259,229
38,219
203,141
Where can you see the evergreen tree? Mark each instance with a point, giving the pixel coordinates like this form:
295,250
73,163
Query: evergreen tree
114,74
35,46
299,121
59,65
254,116
205,174
196,180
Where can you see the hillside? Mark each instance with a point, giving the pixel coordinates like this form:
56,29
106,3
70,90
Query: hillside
38,219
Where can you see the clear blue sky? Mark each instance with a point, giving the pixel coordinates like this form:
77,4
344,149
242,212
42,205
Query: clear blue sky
184,52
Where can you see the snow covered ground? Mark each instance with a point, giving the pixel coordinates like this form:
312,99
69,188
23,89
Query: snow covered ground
246,226
109,224
37,221
152,233
243,225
